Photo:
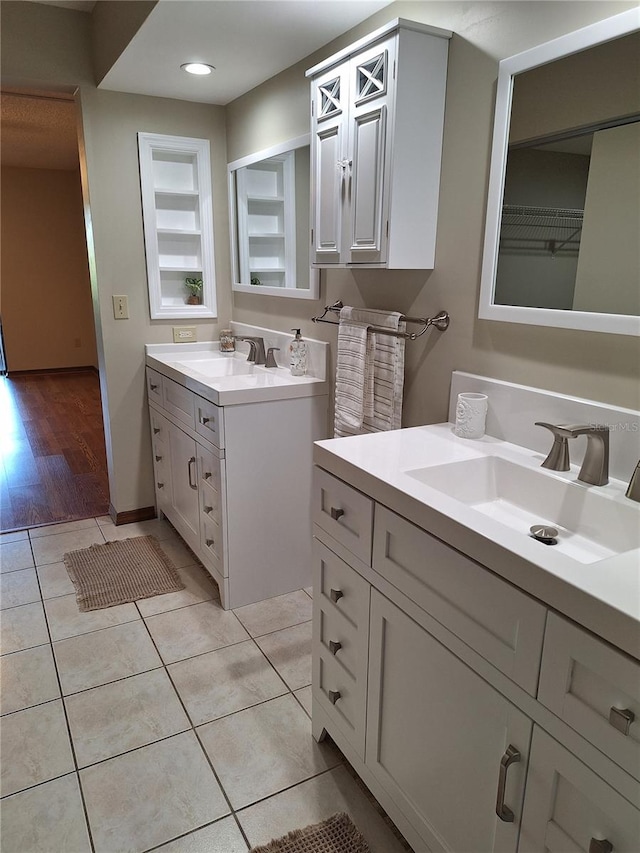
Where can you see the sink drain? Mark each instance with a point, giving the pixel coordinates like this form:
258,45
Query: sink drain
544,533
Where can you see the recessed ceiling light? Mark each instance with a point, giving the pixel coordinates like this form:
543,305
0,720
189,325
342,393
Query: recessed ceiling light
197,68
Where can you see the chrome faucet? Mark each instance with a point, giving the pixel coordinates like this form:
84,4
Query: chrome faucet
595,465
256,348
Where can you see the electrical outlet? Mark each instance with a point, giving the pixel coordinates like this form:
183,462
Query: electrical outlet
121,307
184,334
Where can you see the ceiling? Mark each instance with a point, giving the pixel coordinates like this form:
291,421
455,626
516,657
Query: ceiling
248,41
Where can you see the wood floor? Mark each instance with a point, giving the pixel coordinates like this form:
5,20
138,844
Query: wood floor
52,455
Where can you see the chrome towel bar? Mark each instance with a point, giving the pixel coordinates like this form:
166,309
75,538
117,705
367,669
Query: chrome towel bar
440,321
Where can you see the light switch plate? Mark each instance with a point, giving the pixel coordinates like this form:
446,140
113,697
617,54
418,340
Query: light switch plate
121,307
184,334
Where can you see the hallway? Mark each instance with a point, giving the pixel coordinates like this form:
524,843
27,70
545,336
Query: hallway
52,453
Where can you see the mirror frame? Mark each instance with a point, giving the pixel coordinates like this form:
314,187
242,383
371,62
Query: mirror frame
313,292
575,42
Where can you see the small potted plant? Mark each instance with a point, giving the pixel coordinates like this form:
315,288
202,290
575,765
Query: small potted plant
194,286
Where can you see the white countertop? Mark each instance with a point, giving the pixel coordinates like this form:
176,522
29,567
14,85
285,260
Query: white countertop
186,364
603,596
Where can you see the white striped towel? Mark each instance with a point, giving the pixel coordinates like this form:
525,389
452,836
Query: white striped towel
369,372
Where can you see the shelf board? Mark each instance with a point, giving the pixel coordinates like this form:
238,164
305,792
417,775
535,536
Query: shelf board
267,235
161,191
267,269
187,232
266,198
183,268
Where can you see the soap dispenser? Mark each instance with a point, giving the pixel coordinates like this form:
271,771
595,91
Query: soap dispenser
298,355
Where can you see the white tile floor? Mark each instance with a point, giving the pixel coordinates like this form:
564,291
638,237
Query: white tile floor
166,725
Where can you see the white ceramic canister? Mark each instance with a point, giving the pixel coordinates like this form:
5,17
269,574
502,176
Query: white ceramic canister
471,415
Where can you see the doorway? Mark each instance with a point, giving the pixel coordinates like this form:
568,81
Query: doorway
52,452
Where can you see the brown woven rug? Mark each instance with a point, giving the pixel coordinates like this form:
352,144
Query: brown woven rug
337,834
120,572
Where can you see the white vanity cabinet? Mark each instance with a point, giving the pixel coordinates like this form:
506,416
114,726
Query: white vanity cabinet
377,122
235,482
425,672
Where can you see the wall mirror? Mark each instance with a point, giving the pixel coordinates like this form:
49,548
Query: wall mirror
269,211
563,216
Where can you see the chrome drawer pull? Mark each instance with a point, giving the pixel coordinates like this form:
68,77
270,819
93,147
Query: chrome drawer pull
621,719
208,509
207,474
153,387
600,845
511,756
334,647
334,695
158,458
156,430
335,594
204,421
209,542
160,485
336,513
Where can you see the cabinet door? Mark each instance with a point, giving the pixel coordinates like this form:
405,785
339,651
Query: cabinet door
568,809
184,480
371,93
330,94
436,736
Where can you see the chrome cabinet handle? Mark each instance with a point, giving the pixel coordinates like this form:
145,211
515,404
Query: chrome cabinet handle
511,756
336,513
158,458
153,387
334,647
335,594
189,464
334,695
600,845
209,542
204,421
160,485
208,509
156,430
207,474
621,719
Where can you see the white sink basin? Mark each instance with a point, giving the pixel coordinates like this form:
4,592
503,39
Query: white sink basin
592,525
214,366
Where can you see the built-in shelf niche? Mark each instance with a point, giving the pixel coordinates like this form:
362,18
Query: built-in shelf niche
175,179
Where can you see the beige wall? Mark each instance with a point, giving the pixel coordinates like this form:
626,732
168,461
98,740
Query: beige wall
587,364
47,315
110,123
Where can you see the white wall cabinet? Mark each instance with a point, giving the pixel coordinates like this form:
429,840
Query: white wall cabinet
224,480
377,123
450,690
177,212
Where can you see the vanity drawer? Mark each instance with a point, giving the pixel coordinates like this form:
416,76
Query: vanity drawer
346,514
498,621
594,688
342,698
209,421
337,587
178,401
340,640
154,385
211,537
209,470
